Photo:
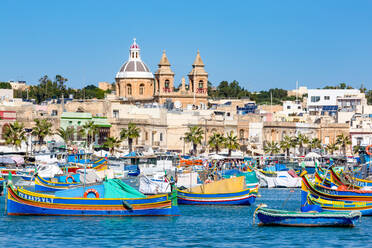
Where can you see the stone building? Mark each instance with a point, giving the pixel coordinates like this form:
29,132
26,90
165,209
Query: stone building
136,83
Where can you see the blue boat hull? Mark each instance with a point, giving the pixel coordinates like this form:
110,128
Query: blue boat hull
305,221
24,202
15,208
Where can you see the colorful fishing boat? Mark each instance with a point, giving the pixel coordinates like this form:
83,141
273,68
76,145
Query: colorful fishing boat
275,217
45,185
232,191
111,198
349,181
322,178
342,193
250,176
338,205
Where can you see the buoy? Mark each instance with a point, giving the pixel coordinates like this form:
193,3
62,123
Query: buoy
91,191
369,150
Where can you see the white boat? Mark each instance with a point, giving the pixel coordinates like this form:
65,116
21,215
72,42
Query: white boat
279,179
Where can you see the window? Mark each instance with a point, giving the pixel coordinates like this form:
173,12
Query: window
54,112
141,89
298,107
166,84
146,136
69,122
79,122
288,107
201,84
241,134
161,137
115,113
315,98
326,97
129,89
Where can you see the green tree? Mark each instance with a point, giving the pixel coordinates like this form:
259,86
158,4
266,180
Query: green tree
194,136
14,134
231,142
112,143
5,85
356,149
130,133
90,131
315,143
343,141
286,144
42,129
331,148
66,134
216,141
272,148
302,140
294,143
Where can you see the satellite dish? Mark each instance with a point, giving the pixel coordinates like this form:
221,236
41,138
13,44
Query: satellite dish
177,104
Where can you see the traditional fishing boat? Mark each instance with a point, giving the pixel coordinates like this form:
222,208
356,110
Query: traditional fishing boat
275,217
342,193
232,191
110,198
338,205
250,176
348,180
323,179
45,185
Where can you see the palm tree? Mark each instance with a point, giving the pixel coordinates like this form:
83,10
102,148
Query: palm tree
331,148
216,141
194,136
315,143
356,149
272,148
302,140
14,134
343,141
294,142
130,133
286,144
42,129
90,130
112,143
231,142
66,134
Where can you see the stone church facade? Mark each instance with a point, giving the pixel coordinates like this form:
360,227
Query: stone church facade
136,83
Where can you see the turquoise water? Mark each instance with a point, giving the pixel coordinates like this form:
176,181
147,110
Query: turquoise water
198,226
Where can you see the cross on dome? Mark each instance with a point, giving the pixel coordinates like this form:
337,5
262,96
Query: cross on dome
134,51
134,45
134,67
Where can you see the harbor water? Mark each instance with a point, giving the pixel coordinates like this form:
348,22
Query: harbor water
198,226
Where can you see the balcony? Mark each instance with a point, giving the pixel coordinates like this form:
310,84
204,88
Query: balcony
201,90
167,90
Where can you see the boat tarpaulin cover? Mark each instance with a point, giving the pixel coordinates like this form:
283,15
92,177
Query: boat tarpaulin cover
115,188
224,186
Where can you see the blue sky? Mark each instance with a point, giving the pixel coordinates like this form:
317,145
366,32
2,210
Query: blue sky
262,44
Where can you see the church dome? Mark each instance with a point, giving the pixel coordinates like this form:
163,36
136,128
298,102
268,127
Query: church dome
134,67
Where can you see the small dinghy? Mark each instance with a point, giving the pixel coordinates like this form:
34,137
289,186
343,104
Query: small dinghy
275,217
